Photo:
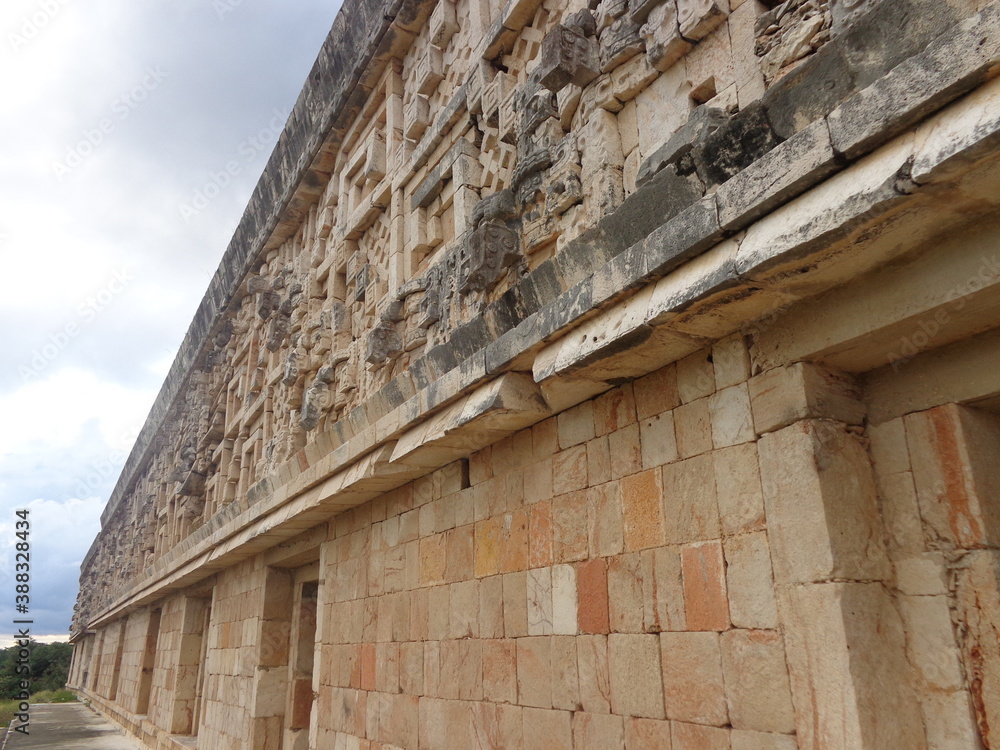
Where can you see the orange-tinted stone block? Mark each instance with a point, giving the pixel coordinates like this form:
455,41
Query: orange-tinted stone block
642,504
706,606
592,592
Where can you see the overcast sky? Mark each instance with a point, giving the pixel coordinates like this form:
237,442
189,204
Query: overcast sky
117,119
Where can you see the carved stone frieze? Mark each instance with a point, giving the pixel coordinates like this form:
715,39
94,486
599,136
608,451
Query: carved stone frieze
269,302
492,248
662,35
620,42
790,31
567,56
291,372
382,344
277,330
429,309
315,402
699,18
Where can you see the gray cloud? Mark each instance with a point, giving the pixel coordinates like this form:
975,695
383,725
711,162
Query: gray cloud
115,114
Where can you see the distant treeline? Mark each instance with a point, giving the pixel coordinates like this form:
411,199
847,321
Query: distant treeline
48,667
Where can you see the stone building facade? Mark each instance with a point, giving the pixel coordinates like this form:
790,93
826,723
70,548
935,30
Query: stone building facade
608,375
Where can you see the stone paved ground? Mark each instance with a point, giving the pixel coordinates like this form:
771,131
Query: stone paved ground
68,726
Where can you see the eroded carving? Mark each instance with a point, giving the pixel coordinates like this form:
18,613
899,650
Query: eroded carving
567,56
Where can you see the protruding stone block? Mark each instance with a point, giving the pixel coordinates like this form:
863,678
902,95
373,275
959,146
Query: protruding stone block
803,391
567,56
822,509
492,248
849,676
698,18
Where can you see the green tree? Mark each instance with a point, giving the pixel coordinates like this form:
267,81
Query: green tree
48,668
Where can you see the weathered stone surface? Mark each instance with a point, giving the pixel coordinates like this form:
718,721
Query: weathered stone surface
809,91
662,35
876,35
693,679
823,520
567,56
636,684
783,173
620,42
757,687
849,677
735,145
493,247
954,476
467,581
702,123
750,583
847,201
697,18
789,32
958,60
803,391
978,611
964,133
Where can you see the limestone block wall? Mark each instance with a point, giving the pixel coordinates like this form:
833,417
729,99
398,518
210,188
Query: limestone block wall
617,376
603,579
938,481
105,676
136,653
231,660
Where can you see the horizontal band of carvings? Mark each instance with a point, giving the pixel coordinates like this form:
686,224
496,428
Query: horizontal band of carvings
838,230
596,272
363,39
822,83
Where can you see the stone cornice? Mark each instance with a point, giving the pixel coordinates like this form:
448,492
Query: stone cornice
845,196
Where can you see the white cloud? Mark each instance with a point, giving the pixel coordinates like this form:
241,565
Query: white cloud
92,373
54,410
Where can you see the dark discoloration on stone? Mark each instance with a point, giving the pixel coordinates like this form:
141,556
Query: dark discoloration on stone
503,351
689,233
581,257
568,307
441,359
622,275
891,32
809,92
703,122
663,197
468,339
567,55
788,170
735,145
955,63
620,42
